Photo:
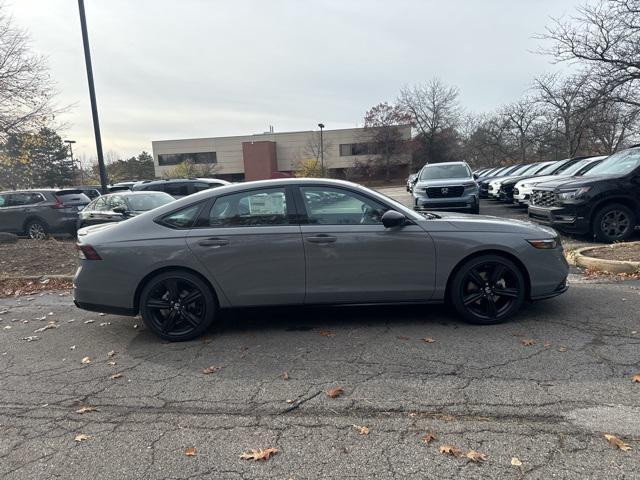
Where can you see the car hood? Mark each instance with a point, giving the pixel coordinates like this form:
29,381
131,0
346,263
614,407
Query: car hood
485,223
445,182
574,182
542,178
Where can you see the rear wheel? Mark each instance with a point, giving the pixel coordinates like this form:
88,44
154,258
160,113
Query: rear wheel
177,306
613,223
475,209
37,230
488,289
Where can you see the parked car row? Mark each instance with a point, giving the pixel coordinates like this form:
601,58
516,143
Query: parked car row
37,213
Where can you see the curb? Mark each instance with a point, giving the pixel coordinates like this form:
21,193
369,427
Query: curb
579,259
39,277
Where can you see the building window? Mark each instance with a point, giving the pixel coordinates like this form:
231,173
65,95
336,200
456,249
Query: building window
165,159
350,149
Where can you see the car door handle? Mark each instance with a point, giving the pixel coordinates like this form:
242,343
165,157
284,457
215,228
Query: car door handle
213,242
322,239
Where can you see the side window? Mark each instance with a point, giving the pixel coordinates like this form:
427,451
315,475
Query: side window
3,200
335,206
176,189
182,218
19,199
117,201
200,186
100,205
254,208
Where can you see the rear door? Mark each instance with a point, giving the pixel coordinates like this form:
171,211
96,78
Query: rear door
251,244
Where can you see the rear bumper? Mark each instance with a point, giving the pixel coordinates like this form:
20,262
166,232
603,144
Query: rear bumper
567,219
94,307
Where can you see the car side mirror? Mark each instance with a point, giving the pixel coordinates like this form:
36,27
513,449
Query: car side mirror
475,176
121,210
391,219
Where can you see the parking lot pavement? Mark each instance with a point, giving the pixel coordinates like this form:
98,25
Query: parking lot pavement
543,389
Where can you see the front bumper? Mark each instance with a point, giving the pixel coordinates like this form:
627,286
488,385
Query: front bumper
566,218
467,202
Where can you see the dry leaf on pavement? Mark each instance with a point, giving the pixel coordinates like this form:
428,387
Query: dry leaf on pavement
111,353
527,342
428,438
285,376
86,409
190,452
515,461
115,376
81,437
427,340
263,454
636,378
615,441
326,333
476,457
450,450
86,360
562,349
335,392
361,430
211,369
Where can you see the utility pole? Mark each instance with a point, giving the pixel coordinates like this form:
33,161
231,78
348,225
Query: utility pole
321,125
92,95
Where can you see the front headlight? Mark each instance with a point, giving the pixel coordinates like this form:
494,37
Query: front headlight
545,244
573,193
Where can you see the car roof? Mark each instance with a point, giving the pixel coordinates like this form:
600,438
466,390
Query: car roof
133,192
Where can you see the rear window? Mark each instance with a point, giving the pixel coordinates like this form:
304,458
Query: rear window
72,197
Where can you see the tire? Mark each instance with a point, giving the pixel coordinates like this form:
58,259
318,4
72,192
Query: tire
36,230
165,312
613,223
480,298
475,209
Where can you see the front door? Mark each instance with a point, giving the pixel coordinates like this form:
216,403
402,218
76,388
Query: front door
252,247
351,257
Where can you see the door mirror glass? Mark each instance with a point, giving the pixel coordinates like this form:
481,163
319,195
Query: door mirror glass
392,218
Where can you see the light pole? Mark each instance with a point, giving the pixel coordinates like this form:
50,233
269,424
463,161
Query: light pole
73,162
92,96
321,125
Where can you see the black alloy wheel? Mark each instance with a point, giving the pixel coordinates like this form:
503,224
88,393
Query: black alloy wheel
614,223
177,306
488,289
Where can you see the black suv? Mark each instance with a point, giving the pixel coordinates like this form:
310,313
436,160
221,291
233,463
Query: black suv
606,203
180,188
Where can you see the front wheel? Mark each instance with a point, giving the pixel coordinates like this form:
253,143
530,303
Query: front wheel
613,223
487,290
36,230
177,306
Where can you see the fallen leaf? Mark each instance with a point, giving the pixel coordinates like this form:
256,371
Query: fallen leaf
81,437
476,457
450,450
46,327
562,349
72,347
211,369
515,461
335,392
636,378
89,321
528,342
31,338
427,340
326,333
115,376
190,452
285,376
111,363
361,429
615,441
110,354
42,318
256,455
86,360
104,324
289,400
546,344
86,409
428,438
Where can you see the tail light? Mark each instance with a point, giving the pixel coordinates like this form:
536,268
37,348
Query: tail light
87,252
58,204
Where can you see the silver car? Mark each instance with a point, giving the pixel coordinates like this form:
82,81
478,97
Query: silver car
309,241
448,186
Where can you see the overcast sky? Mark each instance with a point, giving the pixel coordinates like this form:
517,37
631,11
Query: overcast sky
169,69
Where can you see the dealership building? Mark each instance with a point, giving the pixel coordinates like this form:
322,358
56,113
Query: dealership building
271,154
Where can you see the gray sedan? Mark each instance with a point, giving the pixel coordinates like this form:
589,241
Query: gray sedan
309,241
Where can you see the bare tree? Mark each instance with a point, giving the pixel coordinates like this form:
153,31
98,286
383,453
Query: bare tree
310,155
25,87
605,37
569,104
614,125
521,118
381,126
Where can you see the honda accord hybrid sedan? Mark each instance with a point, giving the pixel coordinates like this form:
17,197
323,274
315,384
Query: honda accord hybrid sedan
309,241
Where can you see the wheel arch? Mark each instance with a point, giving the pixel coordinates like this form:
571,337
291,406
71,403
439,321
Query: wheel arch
508,255
603,202
31,218
150,275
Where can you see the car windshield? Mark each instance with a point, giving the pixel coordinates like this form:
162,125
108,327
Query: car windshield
548,169
619,163
148,201
525,169
577,166
438,172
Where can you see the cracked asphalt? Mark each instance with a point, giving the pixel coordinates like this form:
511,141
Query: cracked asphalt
547,404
